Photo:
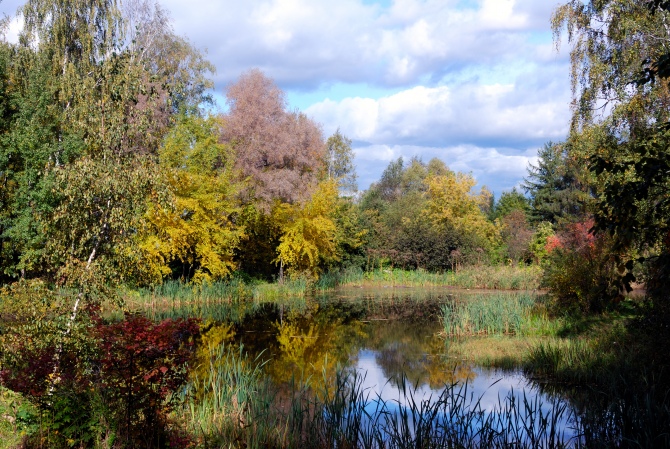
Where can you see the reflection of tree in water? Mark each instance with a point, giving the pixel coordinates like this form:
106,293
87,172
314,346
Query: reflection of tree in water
322,336
314,342
413,350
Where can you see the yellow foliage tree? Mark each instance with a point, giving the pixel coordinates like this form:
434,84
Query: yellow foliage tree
195,226
309,232
452,203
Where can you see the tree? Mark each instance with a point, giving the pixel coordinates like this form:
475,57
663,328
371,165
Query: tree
390,184
281,152
612,42
309,232
516,235
508,202
557,189
452,204
194,230
340,162
620,53
180,68
402,230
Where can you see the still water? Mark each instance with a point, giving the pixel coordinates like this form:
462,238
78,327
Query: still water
389,340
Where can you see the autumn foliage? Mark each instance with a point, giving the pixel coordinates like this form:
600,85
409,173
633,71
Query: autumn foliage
116,380
581,273
281,152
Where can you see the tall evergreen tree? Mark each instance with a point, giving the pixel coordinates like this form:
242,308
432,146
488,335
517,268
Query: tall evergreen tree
557,190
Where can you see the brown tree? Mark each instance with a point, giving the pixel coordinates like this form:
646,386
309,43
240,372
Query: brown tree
517,235
280,151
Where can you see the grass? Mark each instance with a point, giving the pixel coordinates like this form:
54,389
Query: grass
226,398
231,300
475,277
618,380
498,314
499,351
228,301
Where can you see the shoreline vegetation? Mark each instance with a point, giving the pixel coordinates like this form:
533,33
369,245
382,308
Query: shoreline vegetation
139,220
221,300
594,359
235,404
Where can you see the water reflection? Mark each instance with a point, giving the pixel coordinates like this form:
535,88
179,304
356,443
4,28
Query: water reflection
389,339
397,329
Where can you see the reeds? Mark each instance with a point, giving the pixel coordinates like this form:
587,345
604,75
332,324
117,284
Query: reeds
233,406
497,314
483,277
232,299
228,301
621,402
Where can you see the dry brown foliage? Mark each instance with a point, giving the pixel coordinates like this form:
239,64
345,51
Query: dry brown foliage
280,151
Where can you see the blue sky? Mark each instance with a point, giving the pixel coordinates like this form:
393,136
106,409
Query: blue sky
476,83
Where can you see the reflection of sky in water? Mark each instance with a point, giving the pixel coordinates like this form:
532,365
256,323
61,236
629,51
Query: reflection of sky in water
491,388
383,340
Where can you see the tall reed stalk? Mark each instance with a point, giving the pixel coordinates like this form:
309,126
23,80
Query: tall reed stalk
233,406
219,301
496,314
484,277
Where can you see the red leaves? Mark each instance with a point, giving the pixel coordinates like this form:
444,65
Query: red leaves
575,237
144,359
134,365
553,242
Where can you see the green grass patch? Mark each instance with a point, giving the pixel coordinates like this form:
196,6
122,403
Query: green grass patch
228,301
483,277
493,314
498,351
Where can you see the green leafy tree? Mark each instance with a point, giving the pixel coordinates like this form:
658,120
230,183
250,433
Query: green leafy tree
508,202
619,54
401,227
340,162
557,188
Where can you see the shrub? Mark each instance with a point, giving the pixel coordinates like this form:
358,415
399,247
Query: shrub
93,381
580,271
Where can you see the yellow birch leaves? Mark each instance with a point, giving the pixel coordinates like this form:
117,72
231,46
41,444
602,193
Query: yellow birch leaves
309,231
195,229
451,203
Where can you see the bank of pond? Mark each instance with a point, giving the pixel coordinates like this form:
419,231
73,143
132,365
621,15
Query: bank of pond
376,367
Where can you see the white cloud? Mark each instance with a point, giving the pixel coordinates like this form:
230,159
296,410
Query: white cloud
494,114
502,14
309,42
477,83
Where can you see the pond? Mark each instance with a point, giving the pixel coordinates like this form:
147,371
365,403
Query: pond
388,341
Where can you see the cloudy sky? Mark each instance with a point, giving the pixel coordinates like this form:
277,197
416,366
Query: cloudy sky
476,83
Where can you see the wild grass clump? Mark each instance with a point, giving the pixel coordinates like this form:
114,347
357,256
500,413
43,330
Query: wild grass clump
615,375
502,277
225,396
498,314
289,288
219,301
621,402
